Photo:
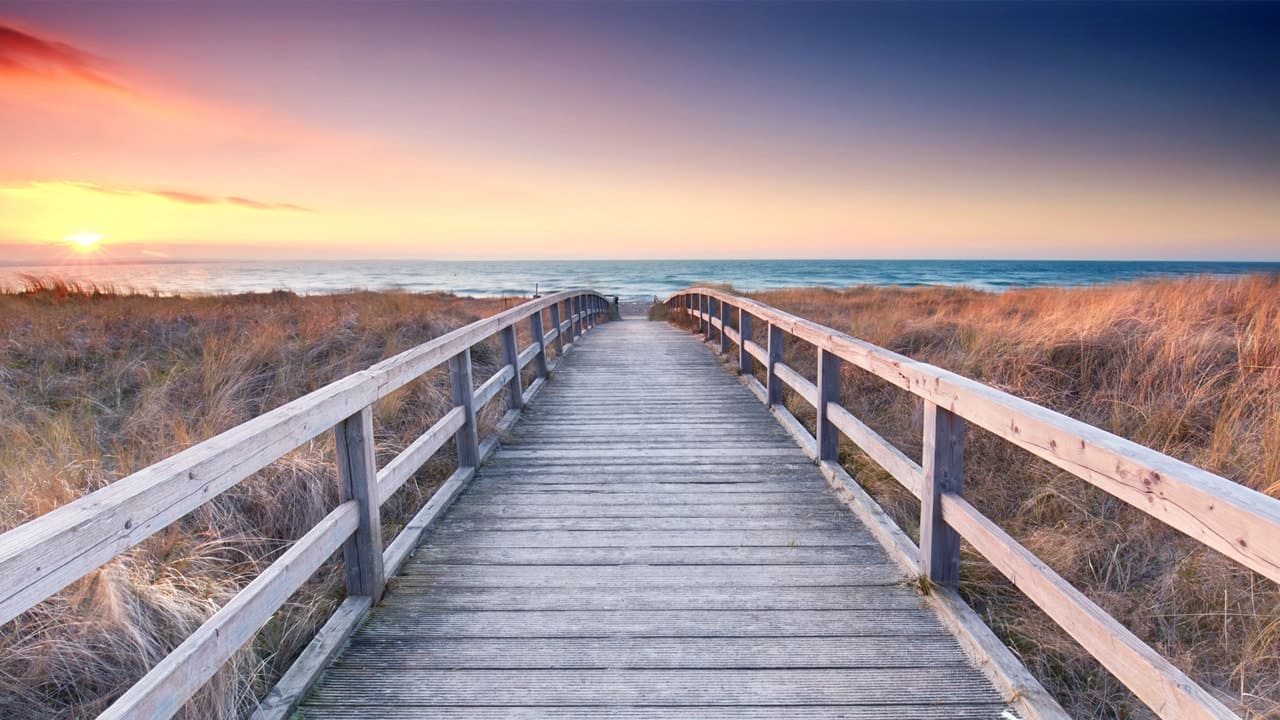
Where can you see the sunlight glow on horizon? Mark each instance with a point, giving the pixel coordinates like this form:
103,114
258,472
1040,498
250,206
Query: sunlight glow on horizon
84,241
592,131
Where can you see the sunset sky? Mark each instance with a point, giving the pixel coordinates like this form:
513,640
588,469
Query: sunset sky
327,130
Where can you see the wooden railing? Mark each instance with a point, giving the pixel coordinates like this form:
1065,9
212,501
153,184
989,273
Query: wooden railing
45,555
1240,523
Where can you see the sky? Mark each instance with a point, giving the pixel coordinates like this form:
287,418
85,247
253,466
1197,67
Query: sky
655,130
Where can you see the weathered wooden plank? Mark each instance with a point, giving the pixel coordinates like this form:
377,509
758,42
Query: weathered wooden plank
511,356
512,511
773,383
467,439
541,368
533,453
393,476
894,461
833,522
811,493
706,687
283,699
688,576
1163,687
828,394
503,536
726,310
396,653
557,328
360,709
797,382
527,355
776,555
358,481
407,621
163,690
943,473
419,593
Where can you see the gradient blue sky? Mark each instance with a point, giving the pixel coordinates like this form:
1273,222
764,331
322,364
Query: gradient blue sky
643,130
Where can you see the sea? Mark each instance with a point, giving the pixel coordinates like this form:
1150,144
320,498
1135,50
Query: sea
626,279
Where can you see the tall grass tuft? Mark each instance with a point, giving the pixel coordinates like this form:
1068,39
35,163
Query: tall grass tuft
96,384
1188,367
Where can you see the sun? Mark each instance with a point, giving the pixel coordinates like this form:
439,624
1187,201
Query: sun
84,241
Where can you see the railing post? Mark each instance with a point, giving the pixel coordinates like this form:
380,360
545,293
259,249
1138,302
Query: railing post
358,480
468,436
577,317
511,356
725,309
943,461
774,384
705,307
828,392
744,335
539,337
555,322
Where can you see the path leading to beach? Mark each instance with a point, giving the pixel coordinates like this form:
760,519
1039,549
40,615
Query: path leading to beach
649,542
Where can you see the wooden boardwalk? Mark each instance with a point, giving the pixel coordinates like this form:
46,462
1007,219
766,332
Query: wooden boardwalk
650,543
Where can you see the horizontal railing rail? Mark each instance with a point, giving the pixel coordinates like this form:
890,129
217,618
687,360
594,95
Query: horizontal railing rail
43,556
1239,522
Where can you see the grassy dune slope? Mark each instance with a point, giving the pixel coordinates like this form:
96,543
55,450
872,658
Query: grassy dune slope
94,386
1188,367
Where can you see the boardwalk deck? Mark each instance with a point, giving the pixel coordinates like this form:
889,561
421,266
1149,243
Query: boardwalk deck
650,543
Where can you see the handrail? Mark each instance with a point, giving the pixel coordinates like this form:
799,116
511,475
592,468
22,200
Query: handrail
1239,522
44,555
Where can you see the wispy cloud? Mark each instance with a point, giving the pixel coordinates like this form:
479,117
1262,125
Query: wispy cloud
22,53
178,196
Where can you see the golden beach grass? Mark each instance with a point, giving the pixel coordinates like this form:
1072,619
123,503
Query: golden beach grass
96,384
1188,367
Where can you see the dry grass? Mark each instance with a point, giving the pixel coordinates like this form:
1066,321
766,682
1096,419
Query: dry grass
95,385
1188,367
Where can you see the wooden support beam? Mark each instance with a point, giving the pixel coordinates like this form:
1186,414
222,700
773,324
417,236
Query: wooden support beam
511,356
828,393
774,383
725,309
555,323
358,480
539,360
468,437
943,473
744,336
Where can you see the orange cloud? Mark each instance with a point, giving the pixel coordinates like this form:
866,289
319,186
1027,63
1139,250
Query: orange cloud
189,198
25,54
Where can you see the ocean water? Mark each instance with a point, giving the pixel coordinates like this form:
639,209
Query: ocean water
627,279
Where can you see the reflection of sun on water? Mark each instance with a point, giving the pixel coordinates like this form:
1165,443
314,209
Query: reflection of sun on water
84,241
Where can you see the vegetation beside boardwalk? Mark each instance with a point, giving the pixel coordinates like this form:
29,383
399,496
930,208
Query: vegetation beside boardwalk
96,384
1188,367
